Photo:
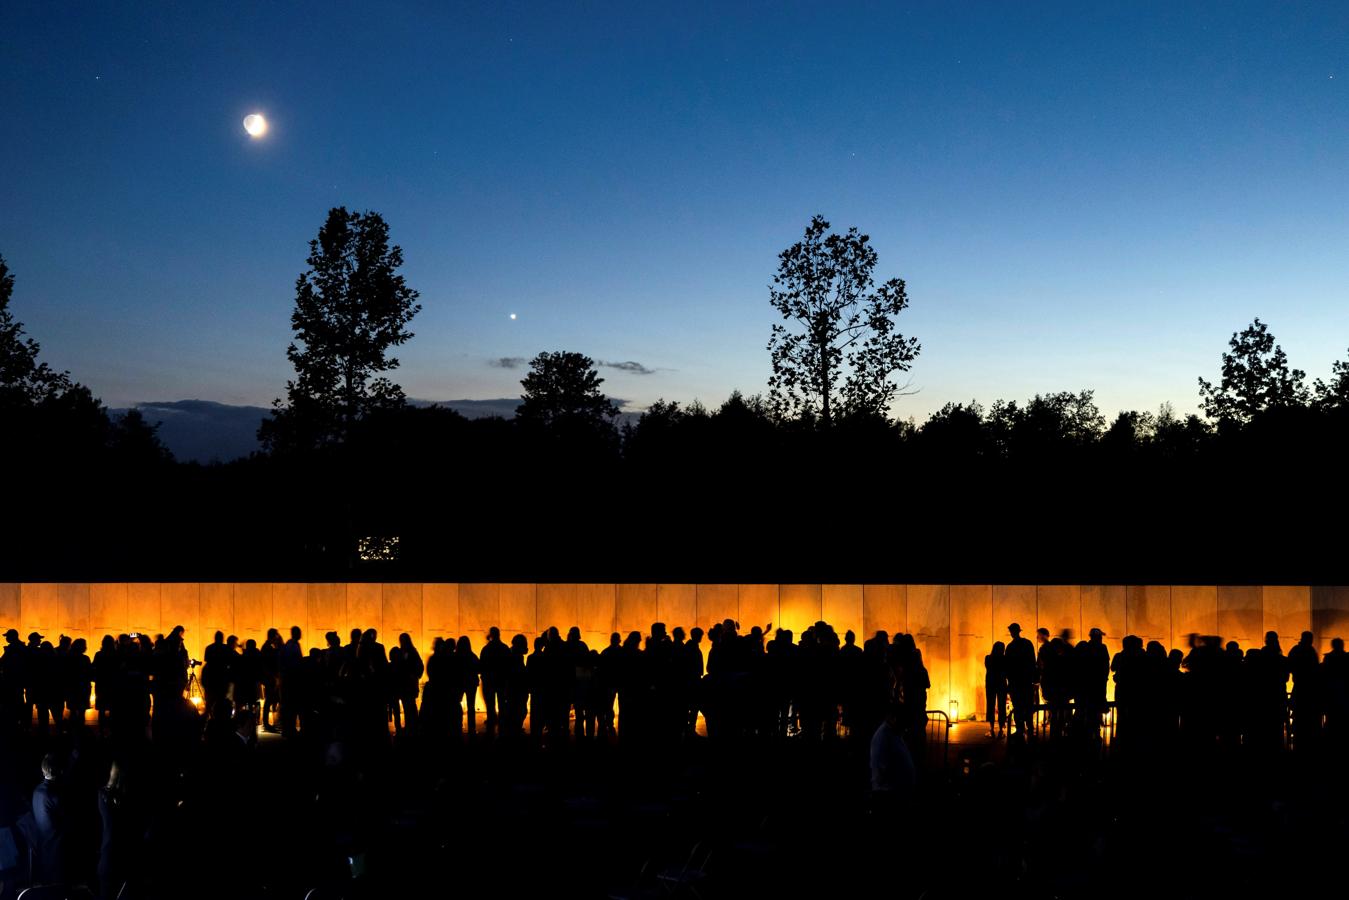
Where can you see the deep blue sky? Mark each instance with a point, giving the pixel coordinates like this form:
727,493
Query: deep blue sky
1079,195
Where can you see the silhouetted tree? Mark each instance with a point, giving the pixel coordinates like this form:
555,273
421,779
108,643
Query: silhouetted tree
1061,419
562,392
1335,393
1047,425
838,351
135,440
351,307
656,432
1130,431
24,382
957,431
745,412
1175,437
1255,378
63,422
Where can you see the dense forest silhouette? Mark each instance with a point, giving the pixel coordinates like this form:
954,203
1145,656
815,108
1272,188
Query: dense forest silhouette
759,488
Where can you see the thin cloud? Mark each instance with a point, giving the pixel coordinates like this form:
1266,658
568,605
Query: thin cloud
507,362
630,366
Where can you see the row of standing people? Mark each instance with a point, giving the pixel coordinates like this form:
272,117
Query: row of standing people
656,686
1215,692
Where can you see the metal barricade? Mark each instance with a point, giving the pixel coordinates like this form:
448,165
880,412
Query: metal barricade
1042,724
937,739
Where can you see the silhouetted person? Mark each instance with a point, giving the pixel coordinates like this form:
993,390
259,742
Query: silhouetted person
995,688
1304,665
15,668
691,669
1128,668
315,693
584,691
1091,673
1201,691
517,686
851,686
375,652
609,676
495,660
560,681
574,669
59,688
1335,694
33,676
291,678
123,832
350,650
51,819
1232,707
407,676
248,676
1041,655
878,681
915,684
334,660
893,773
106,667
215,677
78,682
271,678
540,685
632,688
442,689
1021,672
781,669
45,680
1269,700
1172,692
1056,683
467,665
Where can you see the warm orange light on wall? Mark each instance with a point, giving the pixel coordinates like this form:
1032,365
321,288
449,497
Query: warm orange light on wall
953,625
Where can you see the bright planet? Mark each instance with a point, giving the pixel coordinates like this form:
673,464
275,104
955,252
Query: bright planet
255,125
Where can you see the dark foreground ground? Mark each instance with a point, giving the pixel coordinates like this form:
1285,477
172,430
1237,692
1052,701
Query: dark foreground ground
759,818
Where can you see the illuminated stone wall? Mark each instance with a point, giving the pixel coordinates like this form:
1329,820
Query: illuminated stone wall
954,625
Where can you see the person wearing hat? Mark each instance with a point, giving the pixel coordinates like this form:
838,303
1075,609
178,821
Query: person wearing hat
1021,670
13,677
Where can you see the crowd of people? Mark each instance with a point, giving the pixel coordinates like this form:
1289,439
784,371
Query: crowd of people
642,690
1215,693
815,685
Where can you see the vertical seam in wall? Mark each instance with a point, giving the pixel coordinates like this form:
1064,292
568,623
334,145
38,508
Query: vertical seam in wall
1171,612
1081,624
950,645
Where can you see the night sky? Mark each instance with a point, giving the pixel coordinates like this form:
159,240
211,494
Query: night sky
1079,195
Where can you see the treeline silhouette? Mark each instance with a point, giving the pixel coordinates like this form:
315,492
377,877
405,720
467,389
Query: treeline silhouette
1041,490
996,495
